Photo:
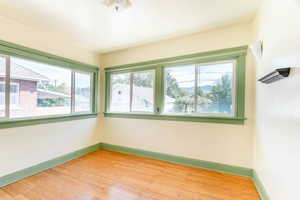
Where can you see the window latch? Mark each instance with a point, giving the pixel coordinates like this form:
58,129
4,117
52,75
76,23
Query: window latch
157,109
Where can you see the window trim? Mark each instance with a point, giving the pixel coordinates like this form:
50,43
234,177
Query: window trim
8,49
238,54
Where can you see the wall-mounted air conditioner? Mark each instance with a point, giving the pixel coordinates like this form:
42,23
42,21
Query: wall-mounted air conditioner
275,75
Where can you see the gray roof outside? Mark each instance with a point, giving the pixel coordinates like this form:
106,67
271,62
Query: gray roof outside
46,94
22,73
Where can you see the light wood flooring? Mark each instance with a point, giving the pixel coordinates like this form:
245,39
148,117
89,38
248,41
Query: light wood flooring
107,175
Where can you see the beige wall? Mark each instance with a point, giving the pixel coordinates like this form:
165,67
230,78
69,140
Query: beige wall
229,144
277,138
27,146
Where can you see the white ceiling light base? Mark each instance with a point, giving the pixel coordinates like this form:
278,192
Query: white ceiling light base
117,5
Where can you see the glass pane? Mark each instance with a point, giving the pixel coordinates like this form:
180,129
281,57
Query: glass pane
14,94
2,86
214,94
143,92
39,89
120,93
179,89
82,92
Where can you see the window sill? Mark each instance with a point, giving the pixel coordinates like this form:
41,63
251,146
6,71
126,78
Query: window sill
13,123
224,120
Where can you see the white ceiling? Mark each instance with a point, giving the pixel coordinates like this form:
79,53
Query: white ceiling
95,27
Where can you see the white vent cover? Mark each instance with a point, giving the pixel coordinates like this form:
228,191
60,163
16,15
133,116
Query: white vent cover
257,50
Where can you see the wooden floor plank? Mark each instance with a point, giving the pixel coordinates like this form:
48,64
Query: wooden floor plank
107,175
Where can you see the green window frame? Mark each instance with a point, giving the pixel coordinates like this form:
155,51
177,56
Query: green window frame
237,55
8,50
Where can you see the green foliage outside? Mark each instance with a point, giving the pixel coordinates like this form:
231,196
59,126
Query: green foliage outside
53,102
143,80
53,87
139,79
218,99
221,94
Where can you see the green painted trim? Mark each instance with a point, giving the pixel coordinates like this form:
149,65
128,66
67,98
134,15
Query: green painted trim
158,101
241,49
95,98
128,70
16,176
224,120
238,54
228,169
13,123
107,91
241,86
12,49
260,187
211,59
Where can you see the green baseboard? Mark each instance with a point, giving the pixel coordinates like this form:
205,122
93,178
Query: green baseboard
16,176
260,187
241,171
228,169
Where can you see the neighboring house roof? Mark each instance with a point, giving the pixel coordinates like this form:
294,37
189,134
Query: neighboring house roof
22,73
46,94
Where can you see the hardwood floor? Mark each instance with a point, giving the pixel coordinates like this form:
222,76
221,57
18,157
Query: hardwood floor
106,175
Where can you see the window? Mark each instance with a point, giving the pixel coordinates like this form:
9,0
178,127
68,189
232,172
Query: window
143,91
14,94
120,92
44,87
205,87
2,94
83,92
200,89
2,85
179,89
132,92
38,89
215,94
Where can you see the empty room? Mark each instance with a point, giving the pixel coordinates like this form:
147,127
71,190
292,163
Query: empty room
149,99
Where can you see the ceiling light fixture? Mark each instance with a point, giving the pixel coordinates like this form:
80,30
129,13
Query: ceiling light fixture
117,5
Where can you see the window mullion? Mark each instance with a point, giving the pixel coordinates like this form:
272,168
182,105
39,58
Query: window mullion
159,91
72,92
130,91
7,87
